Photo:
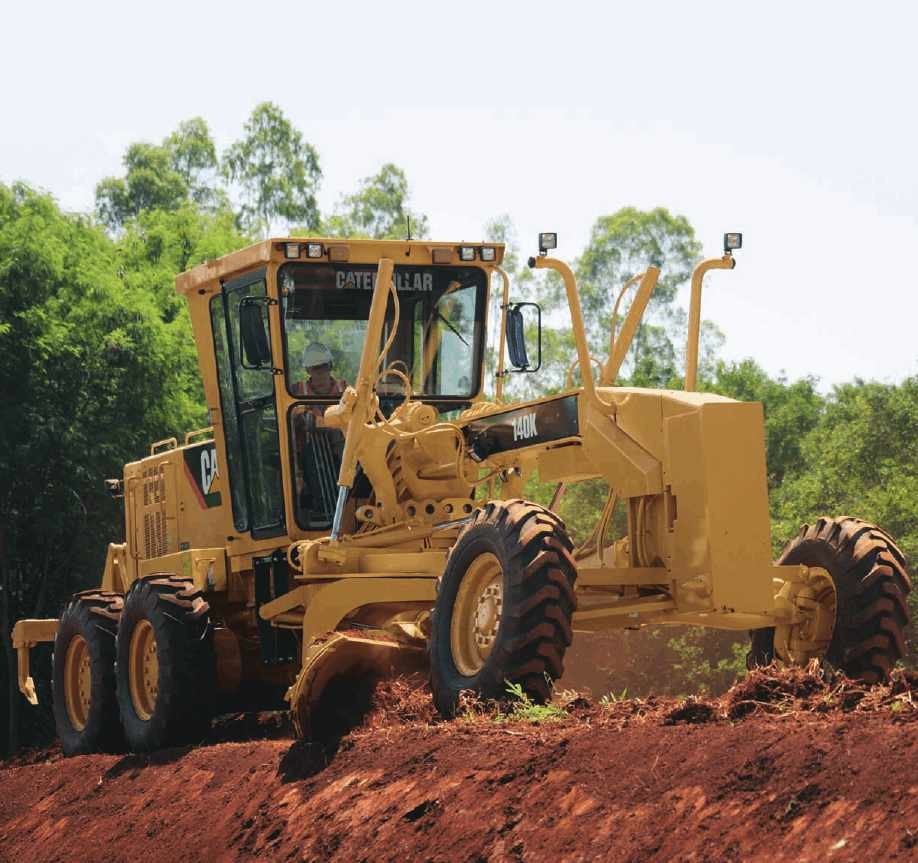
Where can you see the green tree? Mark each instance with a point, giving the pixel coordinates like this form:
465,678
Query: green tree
150,182
91,372
378,209
621,245
194,157
860,458
158,244
277,171
162,176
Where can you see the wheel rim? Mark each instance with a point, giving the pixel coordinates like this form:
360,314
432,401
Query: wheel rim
476,614
77,682
144,670
813,595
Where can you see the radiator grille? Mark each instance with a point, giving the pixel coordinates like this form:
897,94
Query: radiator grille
155,534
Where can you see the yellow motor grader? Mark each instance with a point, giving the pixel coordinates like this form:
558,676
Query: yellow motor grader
357,504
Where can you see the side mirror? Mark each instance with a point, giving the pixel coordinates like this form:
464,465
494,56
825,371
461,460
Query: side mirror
521,320
255,350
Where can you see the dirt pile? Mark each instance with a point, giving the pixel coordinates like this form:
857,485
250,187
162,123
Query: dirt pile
782,767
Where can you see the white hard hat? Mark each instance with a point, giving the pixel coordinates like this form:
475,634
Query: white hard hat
316,354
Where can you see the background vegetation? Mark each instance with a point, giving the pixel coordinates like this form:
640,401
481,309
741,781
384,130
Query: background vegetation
97,360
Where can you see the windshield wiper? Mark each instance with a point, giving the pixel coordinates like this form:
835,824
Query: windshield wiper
458,334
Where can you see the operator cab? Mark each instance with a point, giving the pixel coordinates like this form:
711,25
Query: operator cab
289,321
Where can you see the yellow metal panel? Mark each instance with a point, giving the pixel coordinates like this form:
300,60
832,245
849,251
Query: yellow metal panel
737,506
207,566
640,416
118,572
432,562
29,632
628,468
569,463
688,551
330,604
618,575
292,599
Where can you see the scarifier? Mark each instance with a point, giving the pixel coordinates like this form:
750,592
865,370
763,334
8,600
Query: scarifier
357,505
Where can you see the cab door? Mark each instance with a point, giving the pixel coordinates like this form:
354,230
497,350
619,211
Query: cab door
247,394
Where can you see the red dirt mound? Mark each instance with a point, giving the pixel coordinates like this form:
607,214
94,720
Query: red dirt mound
783,767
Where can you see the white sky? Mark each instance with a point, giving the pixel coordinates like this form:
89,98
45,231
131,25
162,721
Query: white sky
792,122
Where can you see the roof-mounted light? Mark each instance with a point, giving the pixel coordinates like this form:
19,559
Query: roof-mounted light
291,250
314,250
547,242
466,253
488,253
732,242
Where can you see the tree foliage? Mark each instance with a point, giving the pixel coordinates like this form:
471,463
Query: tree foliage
860,458
276,170
378,209
194,157
91,371
162,176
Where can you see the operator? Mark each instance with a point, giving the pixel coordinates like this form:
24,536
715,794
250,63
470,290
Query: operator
316,454
318,361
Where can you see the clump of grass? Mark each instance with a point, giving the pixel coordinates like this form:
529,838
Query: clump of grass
523,709
611,698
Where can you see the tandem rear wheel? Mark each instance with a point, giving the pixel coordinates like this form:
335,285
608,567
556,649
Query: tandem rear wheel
83,674
165,663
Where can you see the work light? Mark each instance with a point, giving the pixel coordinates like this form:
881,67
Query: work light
466,253
488,253
732,241
313,250
291,250
547,241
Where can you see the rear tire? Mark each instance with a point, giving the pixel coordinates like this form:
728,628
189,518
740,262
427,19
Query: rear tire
871,585
83,674
504,606
166,665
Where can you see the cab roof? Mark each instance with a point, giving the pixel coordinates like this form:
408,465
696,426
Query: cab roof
335,250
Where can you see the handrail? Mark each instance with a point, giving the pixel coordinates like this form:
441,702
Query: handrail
166,443
505,302
727,262
198,432
579,330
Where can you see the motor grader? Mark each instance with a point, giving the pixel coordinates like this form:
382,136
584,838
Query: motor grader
313,534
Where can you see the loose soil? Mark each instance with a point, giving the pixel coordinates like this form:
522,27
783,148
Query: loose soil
782,767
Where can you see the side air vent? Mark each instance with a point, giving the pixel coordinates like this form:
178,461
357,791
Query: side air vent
155,534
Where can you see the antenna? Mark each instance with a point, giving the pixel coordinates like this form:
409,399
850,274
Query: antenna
408,221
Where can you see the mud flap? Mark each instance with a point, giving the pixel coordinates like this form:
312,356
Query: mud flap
341,662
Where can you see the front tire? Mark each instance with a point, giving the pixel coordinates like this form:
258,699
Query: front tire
871,586
83,674
504,606
166,664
